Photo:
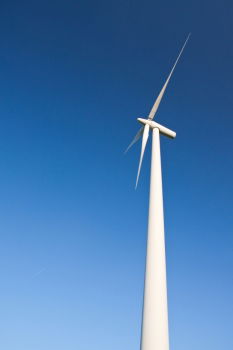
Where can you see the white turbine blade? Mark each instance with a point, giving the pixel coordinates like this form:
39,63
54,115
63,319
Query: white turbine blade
136,138
159,98
144,142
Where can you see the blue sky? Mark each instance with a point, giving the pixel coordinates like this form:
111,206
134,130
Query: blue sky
75,75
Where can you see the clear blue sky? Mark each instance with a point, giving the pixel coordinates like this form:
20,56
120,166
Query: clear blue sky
75,75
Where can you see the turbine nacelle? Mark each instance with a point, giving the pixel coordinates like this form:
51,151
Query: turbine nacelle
162,129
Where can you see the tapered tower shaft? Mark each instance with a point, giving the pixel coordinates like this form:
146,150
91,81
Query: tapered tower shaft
155,314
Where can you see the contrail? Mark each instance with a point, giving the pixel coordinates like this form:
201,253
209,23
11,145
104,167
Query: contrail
39,272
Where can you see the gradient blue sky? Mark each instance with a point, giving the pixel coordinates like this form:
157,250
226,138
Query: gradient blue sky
75,75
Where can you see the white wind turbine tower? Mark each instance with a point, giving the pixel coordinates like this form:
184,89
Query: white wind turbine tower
155,314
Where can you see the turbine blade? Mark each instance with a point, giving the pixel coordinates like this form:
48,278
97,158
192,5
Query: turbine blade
159,98
136,138
144,142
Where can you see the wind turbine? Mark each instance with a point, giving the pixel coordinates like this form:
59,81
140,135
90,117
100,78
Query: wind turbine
154,335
